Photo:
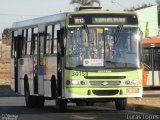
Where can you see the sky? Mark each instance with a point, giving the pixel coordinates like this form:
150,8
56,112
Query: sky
19,10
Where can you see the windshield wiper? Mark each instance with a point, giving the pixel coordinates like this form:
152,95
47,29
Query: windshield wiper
117,34
110,62
79,66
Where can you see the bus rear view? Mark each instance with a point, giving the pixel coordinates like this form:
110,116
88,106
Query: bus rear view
151,56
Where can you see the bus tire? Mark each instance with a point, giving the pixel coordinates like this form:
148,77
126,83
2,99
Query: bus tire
81,104
84,104
28,98
61,105
32,101
90,104
39,101
53,86
121,104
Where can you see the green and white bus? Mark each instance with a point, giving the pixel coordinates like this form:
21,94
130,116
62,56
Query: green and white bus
82,57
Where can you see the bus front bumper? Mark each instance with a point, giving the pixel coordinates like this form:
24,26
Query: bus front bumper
124,92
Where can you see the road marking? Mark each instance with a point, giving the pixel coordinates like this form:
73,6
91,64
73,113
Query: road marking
83,117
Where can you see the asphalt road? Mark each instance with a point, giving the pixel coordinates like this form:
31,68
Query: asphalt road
12,107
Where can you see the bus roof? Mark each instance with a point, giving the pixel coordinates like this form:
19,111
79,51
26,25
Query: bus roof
151,40
103,11
60,17
46,19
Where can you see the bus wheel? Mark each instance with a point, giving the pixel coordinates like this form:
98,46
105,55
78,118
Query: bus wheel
81,103
61,105
32,101
90,104
29,99
53,86
121,104
39,101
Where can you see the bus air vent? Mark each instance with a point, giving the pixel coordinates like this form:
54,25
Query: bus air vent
105,92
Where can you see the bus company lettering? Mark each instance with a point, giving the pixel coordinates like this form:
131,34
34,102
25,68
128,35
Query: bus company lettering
104,71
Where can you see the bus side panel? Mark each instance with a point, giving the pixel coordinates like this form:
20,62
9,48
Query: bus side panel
30,74
157,78
145,77
12,75
149,80
27,69
51,69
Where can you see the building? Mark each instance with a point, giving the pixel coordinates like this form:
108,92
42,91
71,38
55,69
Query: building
148,19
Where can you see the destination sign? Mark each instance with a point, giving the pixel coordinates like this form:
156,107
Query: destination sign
79,20
103,19
109,20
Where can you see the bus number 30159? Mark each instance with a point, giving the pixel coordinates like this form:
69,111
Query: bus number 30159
79,73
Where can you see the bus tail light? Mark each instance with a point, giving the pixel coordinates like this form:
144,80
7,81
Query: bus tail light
133,90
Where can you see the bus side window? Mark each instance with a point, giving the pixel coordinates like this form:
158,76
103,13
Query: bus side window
54,48
156,59
49,37
28,51
25,41
13,45
34,41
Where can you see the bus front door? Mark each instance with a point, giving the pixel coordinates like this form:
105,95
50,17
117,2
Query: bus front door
35,63
17,55
41,63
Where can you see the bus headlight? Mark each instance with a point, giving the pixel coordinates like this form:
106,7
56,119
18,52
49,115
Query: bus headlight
76,82
127,82
132,82
82,82
72,82
135,82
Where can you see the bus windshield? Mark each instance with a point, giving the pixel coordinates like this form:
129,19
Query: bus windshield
103,47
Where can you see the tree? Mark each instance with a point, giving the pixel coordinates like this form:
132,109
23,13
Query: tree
7,34
86,2
147,30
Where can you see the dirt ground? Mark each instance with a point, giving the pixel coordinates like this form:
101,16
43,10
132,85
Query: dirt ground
4,71
146,101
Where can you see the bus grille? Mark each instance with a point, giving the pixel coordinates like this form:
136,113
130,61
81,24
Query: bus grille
104,83
105,92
